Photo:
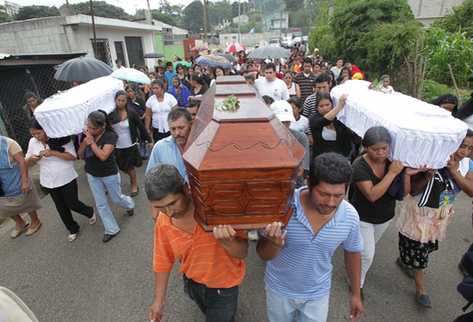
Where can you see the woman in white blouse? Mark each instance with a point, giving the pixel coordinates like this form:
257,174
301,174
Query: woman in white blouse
58,176
157,110
292,87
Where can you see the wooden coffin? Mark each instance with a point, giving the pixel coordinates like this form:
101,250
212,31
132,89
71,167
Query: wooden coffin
241,164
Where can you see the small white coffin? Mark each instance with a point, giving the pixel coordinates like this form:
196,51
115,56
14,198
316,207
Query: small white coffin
423,134
66,113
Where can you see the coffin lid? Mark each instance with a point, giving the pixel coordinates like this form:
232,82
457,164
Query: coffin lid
250,138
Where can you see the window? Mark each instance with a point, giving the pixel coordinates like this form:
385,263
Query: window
168,36
102,51
120,52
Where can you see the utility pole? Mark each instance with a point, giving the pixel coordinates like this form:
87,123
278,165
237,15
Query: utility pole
205,20
148,16
92,14
239,21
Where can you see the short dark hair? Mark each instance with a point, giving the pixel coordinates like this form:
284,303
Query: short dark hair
331,168
158,82
322,78
168,64
469,133
270,66
162,181
323,96
307,60
375,135
177,113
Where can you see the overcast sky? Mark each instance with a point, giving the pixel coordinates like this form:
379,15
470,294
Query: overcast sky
129,6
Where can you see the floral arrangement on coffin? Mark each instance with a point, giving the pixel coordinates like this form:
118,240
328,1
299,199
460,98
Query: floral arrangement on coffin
229,104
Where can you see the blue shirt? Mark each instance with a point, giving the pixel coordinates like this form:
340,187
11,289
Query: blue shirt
169,75
166,151
303,268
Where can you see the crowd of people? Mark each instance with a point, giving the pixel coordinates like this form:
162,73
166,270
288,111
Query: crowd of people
299,255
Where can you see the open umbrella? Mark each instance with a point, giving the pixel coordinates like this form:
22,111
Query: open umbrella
269,52
153,55
213,61
234,47
229,57
131,75
82,69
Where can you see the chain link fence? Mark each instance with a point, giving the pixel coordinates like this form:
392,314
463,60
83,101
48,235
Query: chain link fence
15,81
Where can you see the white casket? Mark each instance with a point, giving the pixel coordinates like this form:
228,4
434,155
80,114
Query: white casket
423,134
65,113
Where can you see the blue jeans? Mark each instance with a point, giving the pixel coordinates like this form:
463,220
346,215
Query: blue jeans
281,309
99,185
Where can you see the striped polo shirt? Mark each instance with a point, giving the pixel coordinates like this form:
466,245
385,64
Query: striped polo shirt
303,268
306,84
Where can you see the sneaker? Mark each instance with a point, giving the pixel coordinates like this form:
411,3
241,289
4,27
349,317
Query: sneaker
130,212
93,219
33,229
107,237
72,237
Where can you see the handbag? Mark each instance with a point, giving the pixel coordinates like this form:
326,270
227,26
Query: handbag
144,151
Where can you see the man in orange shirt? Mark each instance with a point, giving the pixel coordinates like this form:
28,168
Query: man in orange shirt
212,263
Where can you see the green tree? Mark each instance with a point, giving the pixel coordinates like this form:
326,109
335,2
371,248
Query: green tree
460,19
29,12
321,36
219,11
4,17
101,9
443,48
193,17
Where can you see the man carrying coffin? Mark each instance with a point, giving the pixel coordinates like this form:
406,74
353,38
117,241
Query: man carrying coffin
212,263
299,268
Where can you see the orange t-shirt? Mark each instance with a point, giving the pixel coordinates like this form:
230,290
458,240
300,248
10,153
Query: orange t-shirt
202,258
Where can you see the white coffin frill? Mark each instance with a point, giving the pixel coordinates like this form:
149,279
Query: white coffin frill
65,113
423,134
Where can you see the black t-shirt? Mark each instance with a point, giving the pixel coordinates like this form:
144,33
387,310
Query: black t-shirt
382,209
93,165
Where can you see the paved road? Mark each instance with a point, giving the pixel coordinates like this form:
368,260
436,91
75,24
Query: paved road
95,282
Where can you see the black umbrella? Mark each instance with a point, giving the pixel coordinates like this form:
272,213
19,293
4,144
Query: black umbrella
82,69
153,55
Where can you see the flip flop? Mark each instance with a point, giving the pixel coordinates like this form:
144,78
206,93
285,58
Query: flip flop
33,230
15,232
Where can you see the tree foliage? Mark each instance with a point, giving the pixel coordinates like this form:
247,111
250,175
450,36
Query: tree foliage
193,16
443,48
219,11
101,9
321,36
4,17
29,12
459,20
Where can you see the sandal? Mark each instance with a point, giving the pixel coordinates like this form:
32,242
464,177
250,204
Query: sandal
15,232
423,300
135,193
33,230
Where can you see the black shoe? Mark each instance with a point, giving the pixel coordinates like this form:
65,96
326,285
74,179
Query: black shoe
130,212
107,237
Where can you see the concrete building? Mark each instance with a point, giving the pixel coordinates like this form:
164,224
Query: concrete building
427,11
243,19
277,22
116,39
11,8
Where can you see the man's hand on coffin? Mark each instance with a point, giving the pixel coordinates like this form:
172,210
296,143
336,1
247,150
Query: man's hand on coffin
396,167
224,233
275,233
342,101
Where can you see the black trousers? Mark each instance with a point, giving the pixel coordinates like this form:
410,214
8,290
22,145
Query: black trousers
65,199
159,135
218,304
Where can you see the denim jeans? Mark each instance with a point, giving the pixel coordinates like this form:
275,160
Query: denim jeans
281,309
218,304
99,185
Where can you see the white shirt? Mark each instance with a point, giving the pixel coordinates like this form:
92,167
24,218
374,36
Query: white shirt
301,125
329,134
387,90
275,89
161,110
122,129
54,172
292,90
336,71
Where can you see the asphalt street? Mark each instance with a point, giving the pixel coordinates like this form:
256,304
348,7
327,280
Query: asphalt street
90,281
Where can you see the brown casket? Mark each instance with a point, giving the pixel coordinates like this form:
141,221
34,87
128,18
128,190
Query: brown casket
241,164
